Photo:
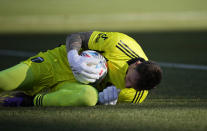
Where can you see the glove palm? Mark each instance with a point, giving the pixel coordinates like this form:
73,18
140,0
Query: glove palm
83,67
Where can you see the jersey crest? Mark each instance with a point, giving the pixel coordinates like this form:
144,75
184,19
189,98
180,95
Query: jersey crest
101,36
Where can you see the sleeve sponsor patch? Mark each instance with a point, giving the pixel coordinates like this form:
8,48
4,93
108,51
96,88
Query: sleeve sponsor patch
37,59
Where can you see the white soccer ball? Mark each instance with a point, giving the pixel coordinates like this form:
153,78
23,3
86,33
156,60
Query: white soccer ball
102,65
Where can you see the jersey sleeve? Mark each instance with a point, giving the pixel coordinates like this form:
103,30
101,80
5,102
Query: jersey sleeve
130,95
98,41
116,46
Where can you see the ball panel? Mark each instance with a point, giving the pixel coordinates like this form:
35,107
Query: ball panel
102,65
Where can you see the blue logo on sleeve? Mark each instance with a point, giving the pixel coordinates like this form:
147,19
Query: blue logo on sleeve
37,59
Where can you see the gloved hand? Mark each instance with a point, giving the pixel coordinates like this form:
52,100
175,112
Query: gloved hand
109,96
81,67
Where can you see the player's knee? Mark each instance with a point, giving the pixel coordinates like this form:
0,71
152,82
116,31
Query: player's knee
89,96
12,77
5,84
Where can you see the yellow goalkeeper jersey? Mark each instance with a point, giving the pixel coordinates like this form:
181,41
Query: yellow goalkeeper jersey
118,48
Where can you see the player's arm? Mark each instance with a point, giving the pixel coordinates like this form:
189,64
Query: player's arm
108,96
130,95
78,40
79,64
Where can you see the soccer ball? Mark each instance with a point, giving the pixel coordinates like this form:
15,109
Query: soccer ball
102,65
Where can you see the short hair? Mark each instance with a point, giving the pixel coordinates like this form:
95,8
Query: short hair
150,75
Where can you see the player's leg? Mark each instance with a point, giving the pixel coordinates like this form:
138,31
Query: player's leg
68,94
15,99
13,77
28,77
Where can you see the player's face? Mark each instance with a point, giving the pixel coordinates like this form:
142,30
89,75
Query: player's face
132,76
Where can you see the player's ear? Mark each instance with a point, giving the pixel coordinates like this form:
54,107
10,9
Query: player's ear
138,62
133,65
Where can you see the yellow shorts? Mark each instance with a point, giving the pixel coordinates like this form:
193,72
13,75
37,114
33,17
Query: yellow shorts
46,70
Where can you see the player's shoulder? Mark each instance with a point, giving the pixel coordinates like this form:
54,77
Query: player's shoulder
115,36
103,33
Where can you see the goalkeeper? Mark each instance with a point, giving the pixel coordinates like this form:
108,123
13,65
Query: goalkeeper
51,78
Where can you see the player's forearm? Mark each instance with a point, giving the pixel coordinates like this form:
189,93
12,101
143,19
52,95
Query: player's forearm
77,41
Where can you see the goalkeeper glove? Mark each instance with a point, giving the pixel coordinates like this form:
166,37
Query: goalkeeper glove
109,96
81,71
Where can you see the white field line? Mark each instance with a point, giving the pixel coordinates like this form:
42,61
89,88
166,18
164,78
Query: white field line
117,17
16,53
182,66
25,54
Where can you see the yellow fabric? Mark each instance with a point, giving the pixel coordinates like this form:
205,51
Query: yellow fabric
118,48
68,94
52,70
13,77
130,95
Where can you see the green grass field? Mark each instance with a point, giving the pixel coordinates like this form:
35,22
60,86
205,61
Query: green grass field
169,31
153,115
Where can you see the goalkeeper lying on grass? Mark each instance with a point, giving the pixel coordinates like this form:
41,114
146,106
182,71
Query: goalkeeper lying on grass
53,78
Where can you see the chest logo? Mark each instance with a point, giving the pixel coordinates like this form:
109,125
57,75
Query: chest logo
101,36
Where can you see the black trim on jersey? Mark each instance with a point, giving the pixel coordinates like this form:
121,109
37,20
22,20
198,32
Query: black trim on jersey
129,48
142,92
124,52
131,61
132,55
134,97
137,96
